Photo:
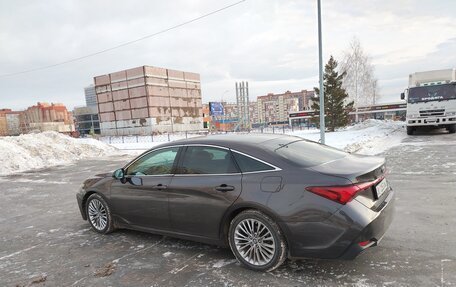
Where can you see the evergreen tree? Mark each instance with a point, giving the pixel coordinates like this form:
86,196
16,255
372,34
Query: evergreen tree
336,108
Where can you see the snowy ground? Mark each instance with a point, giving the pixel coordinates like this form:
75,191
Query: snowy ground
369,137
41,150
34,151
44,241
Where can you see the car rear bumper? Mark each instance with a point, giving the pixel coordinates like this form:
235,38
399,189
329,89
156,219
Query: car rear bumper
339,236
372,233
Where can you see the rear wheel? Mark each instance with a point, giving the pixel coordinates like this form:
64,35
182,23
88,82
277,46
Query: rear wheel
410,130
451,129
256,241
99,214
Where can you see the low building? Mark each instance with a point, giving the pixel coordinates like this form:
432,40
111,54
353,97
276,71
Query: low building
388,111
230,118
206,116
9,122
146,100
86,120
222,122
13,121
3,122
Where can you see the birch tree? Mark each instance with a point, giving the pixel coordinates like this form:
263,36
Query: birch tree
359,82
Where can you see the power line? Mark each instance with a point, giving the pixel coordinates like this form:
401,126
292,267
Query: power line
123,44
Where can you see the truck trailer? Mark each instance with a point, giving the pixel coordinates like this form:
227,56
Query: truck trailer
431,100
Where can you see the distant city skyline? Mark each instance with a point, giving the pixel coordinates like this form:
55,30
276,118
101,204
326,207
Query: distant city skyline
272,45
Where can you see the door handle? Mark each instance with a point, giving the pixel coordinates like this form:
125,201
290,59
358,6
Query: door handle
160,186
224,188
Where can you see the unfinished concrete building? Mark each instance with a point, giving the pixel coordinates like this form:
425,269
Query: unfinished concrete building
146,100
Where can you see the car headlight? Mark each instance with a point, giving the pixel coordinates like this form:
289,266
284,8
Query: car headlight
451,113
412,116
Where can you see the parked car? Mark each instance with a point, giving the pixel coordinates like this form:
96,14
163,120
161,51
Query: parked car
267,197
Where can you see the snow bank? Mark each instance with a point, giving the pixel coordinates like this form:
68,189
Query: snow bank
369,137
32,151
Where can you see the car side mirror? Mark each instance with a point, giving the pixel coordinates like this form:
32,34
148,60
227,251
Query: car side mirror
119,174
402,96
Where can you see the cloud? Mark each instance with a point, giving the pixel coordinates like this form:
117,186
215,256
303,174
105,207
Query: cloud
272,44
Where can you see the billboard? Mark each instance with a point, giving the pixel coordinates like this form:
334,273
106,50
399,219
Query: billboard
216,109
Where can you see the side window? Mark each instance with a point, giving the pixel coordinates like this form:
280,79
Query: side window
248,164
207,160
154,163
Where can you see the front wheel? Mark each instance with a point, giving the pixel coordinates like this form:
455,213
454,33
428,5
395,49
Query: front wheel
99,214
451,129
257,241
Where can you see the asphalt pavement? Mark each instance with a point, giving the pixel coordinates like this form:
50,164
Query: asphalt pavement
44,241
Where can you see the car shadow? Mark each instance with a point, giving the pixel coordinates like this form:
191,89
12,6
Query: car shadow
213,258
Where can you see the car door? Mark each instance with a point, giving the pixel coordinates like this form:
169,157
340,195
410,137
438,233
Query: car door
206,183
141,199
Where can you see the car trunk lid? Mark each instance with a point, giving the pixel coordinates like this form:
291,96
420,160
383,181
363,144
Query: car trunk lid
361,170
356,168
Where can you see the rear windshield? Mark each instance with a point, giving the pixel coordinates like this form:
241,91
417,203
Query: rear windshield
306,153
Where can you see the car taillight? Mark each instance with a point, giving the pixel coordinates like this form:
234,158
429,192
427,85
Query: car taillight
344,193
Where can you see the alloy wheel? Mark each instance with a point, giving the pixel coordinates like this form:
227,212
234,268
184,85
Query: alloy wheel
254,242
97,214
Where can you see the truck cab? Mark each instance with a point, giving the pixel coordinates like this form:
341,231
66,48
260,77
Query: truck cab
431,100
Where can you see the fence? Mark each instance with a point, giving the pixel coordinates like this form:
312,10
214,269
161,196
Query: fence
167,137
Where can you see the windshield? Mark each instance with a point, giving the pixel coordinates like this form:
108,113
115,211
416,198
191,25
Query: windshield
432,93
306,153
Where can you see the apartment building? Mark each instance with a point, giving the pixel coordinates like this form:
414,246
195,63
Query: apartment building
274,108
47,117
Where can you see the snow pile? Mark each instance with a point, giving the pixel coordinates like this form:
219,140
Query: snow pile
369,137
32,151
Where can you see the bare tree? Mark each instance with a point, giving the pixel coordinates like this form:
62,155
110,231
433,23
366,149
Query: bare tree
359,82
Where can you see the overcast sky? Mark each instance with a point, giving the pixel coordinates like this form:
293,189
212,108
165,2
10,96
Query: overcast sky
271,44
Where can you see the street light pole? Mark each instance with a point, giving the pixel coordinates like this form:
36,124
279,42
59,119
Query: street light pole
322,99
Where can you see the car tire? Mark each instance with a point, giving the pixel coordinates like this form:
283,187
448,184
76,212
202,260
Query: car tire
451,129
257,241
99,214
410,130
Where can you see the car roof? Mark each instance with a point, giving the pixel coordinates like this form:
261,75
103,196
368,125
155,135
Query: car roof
253,144
233,140
260,146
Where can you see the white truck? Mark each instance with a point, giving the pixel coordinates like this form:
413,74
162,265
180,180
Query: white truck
431,100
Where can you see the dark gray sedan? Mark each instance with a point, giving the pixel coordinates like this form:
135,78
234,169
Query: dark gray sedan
268,197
